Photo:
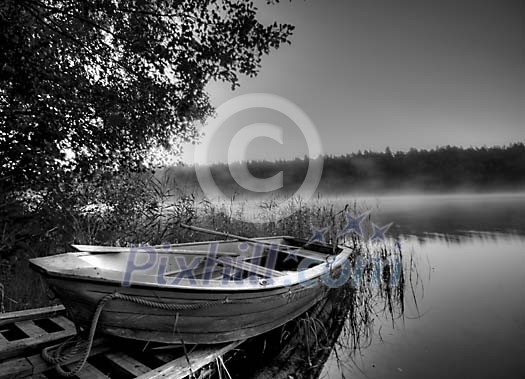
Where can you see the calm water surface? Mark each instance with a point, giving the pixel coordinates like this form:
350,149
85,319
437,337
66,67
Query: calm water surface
466,317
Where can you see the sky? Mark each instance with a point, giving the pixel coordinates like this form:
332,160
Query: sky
376,73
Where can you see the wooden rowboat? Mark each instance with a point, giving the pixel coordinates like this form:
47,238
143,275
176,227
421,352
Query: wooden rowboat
205,292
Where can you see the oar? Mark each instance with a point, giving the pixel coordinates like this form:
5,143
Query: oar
279,248
157,249
234,236
287,249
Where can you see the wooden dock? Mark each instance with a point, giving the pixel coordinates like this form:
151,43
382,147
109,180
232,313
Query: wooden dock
24,334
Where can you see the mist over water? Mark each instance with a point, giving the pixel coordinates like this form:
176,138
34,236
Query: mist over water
453,215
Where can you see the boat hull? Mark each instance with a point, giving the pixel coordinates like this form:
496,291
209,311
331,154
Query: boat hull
200,316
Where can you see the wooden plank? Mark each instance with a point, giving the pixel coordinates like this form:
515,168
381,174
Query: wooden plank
164,357
210,270
27,345
16,368
297,253
250,267
39,365
236,263
30,328
179,368
64,323
309,254
10,317
90,372
317,246
127,363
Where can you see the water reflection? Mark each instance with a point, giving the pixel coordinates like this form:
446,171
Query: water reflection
453,216
464,312
465,237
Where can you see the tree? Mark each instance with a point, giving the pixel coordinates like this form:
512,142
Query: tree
92,85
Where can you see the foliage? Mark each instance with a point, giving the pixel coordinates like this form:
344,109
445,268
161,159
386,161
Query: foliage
87,86
124,209
119,210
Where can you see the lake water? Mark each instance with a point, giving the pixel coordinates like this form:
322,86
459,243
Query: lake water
466,316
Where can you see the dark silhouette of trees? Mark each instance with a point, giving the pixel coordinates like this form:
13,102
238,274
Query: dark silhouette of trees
446,168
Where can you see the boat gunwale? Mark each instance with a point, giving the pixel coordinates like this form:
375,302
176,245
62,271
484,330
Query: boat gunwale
115,278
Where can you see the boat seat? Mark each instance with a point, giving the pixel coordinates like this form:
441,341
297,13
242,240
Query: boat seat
305,253
312,246
249,267
199,274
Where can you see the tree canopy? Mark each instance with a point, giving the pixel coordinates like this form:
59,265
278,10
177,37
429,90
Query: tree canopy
105,80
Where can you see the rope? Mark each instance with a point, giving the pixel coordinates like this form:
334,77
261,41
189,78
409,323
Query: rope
170,307
55,356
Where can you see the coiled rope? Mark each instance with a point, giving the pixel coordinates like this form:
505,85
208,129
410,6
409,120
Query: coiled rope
55,355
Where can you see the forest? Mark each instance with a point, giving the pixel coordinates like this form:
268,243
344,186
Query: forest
447,168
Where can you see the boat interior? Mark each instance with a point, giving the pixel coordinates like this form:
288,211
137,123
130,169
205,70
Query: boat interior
213,260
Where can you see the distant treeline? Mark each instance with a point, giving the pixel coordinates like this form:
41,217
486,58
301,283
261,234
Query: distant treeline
442,169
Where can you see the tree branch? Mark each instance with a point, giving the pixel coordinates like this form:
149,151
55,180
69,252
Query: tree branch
56,28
